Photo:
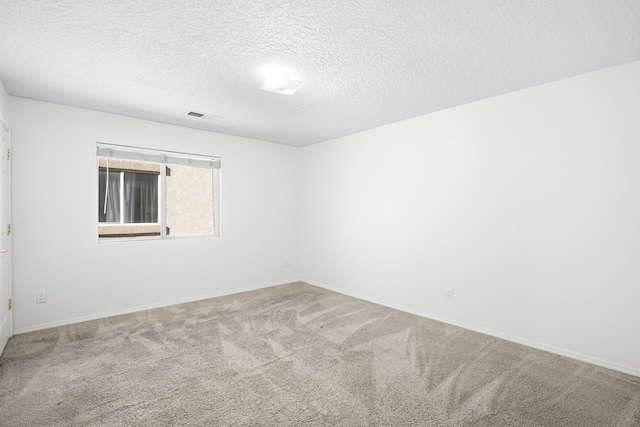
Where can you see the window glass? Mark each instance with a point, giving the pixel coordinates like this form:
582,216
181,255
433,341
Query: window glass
140,198
190,208
111,186
154,194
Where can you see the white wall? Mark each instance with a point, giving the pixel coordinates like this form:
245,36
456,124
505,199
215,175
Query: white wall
527,205
5,106
55,245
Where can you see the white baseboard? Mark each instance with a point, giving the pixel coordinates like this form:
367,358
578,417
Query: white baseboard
144,307
528,343
518,340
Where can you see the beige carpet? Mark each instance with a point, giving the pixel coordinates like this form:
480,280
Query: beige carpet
297,355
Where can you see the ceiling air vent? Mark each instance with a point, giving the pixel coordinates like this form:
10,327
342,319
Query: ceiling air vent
194,114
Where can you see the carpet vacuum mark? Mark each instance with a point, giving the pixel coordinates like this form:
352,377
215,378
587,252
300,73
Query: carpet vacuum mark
297,355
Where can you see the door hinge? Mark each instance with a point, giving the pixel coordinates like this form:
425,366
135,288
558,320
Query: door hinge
8,229
8,153
10,303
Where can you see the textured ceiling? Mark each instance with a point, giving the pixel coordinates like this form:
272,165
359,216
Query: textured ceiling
364,63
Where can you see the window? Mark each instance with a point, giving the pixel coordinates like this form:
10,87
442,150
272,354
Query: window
147,194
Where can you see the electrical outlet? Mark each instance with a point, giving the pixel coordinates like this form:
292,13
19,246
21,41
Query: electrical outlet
450,293
41,297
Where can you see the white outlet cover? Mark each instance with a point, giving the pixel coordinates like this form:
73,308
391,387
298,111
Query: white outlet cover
41,297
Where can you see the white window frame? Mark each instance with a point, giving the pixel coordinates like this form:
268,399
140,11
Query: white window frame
163,158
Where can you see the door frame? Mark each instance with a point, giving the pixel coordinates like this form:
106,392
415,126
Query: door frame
5,238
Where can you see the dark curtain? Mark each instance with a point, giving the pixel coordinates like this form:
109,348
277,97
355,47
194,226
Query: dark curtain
141,198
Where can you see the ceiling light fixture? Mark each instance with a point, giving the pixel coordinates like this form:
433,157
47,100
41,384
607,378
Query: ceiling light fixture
281,84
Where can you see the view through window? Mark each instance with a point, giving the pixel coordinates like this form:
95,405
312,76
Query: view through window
147,194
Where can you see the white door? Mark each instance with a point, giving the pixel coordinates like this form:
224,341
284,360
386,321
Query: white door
5,240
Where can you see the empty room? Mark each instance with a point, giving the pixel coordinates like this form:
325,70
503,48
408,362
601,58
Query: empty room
323,213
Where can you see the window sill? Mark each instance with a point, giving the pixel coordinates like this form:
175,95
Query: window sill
107,231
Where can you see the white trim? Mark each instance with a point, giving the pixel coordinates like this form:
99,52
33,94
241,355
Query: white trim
551,349
162,201
217,191
145,307
156,156
121,173
525,342
4,123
